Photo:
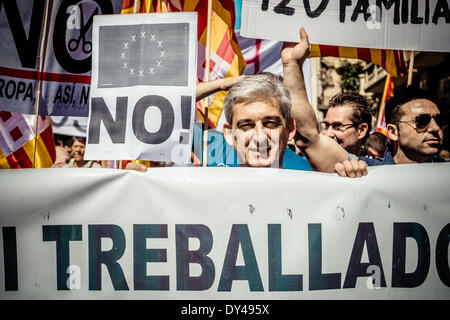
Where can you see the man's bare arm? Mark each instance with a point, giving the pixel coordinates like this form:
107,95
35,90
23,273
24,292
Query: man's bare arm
204,89
321,151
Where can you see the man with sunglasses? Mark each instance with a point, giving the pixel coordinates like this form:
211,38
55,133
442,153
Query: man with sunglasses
415,128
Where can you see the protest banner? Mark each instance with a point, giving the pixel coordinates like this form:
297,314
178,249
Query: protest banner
398,24
143,87
70,126
65,46
232,233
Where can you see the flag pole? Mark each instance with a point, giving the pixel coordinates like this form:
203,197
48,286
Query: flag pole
40,63
206,100
410,70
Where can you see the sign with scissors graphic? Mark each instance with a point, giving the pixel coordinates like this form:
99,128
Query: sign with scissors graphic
66,72
144,73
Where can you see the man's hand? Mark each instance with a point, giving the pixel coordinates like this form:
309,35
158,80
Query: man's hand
354,168
136,166
296,52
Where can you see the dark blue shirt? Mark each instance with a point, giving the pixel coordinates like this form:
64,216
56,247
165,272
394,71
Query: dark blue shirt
388,159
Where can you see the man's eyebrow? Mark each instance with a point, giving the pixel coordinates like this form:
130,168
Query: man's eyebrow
272,118
244,121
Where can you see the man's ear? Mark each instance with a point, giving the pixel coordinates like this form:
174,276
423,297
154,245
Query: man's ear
392,131
292,128
228,134
362,130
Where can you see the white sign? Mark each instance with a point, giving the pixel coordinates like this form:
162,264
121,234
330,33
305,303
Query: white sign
407,25
143,87
225,233
67,45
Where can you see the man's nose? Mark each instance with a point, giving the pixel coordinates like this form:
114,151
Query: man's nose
329,132
260,133
433,126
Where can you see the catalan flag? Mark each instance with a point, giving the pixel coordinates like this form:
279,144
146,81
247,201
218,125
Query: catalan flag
387,93
391,60
17,141
226,59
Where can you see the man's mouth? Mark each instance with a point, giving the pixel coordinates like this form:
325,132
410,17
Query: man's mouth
260,150
433,141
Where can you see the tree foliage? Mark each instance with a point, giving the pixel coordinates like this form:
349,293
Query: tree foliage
350,76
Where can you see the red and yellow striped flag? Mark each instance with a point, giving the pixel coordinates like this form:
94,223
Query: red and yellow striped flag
391,60
387,93
17,141
226,59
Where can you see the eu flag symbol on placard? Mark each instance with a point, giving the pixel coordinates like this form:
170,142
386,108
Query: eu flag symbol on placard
144,54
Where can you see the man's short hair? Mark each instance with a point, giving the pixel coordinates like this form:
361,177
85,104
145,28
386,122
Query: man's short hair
378,142
79,139
361,108
263,86
392,111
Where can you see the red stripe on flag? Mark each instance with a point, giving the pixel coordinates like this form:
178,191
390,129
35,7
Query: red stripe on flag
46,76
256,59
202,9
326,50
225,50
127,4
19,159
47,138
364,54
400,62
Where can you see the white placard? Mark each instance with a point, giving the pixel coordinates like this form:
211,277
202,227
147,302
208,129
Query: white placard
225,233
143,87
407,25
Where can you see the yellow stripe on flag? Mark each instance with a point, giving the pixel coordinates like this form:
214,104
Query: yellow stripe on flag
348,52
3,162
376,56
43,158
315,51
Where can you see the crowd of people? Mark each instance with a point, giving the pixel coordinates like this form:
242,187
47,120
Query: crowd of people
264,112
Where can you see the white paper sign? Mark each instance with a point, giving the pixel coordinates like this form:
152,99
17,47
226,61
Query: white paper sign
143,87
225,233
407,25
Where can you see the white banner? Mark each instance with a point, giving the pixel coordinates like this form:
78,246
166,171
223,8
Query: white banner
407,25
66,51
225,233
143,87
70,126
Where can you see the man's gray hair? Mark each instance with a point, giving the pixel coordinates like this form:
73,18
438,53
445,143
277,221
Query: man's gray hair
263,86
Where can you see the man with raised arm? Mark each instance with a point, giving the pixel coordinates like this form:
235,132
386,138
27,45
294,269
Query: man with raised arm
324,154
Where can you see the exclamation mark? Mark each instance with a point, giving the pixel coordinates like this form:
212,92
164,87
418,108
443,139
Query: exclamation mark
10,258
185,118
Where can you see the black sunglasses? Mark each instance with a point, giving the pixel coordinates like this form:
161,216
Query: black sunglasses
422,121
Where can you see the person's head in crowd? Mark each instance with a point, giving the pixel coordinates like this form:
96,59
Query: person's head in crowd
62,157
348,121
64,142
444,154
78,147
259,123
376,144
415,125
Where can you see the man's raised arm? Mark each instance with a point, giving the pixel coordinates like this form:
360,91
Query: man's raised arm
321,151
